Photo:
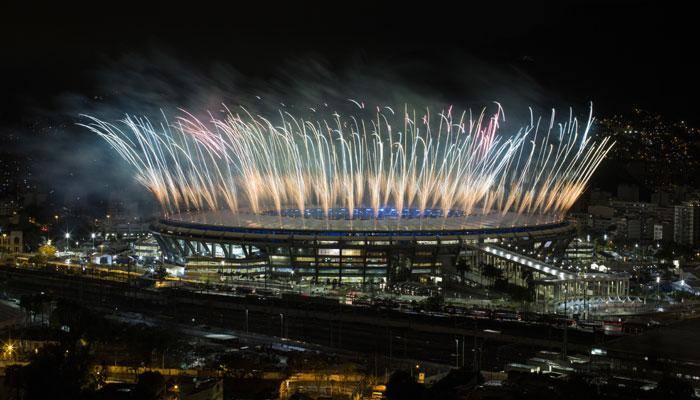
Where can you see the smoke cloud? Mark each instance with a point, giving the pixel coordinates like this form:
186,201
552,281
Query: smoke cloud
78,164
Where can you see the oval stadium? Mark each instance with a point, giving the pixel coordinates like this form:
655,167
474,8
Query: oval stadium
357,252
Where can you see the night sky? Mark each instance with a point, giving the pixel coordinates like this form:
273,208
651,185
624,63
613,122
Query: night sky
616,54
108,59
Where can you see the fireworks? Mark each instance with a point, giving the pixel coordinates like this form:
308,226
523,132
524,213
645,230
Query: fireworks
406,164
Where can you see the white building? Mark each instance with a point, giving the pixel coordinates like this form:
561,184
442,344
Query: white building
579,252
687,223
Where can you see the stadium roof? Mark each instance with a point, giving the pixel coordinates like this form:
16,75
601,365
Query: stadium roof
472,222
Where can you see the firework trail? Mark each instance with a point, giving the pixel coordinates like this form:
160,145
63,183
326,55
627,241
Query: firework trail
414,163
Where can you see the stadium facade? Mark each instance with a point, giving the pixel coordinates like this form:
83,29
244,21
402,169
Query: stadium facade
519,250
345,251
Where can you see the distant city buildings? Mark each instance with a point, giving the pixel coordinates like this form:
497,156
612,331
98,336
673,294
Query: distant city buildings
668,217
11,242
663,233
580,252
687,223
652,149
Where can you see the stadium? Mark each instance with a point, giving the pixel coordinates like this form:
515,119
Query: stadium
369,254
370,251
366,199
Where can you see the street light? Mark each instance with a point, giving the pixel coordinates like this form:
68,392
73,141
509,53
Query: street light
92,236
67,241
658,283
8,350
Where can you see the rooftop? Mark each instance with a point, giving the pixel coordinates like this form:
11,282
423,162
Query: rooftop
439,223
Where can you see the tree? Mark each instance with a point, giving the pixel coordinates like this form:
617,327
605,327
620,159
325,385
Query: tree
576,387
147,342
150,386
491,272
519,293
55,372
434,302
462,267
402,386
402,274
48,251
673,388
160,273
448,387
77,318
240,365
33,304
527,276
15,380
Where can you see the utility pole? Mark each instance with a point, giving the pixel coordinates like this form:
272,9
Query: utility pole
282,325
457,352
566,339
390,345
476,367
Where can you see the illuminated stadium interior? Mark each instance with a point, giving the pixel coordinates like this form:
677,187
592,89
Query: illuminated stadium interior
387,221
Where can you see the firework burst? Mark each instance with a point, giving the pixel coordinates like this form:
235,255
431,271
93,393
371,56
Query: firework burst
406,164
